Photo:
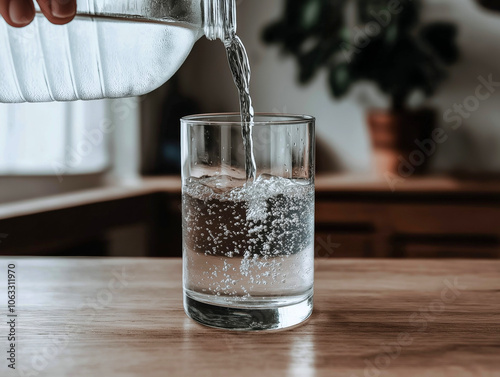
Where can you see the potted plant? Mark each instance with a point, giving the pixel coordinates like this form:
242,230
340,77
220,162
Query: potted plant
385,43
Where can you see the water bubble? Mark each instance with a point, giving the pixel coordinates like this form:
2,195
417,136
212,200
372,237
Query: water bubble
260,246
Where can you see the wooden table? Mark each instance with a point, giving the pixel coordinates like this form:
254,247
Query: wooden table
124,317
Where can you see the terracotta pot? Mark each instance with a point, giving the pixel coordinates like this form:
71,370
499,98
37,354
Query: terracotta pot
397,140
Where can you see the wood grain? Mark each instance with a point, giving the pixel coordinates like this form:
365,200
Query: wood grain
124,317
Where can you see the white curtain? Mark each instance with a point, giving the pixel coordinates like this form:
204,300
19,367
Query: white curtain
54,138
55,148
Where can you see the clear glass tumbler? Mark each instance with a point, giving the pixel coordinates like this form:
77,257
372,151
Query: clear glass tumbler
248,255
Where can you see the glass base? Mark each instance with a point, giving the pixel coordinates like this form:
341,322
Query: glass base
248,319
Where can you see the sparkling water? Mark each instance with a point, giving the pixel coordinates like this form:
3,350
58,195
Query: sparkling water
248,243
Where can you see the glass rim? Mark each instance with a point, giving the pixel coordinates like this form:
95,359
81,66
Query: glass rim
220,119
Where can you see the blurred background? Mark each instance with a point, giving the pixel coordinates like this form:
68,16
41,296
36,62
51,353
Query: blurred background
406,97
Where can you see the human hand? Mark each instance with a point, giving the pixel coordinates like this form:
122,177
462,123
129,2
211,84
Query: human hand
20,13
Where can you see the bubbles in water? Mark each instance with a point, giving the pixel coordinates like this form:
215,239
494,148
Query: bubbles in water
253,234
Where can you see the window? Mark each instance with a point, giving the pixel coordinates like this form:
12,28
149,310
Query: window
54,138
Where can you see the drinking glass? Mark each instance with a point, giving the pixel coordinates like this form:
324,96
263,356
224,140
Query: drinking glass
248,244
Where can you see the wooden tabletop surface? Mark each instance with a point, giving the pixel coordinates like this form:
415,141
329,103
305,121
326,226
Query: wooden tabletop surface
124,317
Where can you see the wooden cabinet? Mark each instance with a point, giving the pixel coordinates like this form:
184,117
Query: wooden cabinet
423,218
355,217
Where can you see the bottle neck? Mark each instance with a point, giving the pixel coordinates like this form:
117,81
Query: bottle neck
219,19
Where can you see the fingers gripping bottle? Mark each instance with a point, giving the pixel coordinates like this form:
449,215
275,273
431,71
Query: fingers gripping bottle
112,49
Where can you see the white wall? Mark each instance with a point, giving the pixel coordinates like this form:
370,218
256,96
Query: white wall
475,146
341,124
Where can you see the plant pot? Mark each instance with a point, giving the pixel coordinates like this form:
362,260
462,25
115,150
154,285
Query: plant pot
401,140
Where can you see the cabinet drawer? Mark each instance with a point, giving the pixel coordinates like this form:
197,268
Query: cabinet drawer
444,219
447,246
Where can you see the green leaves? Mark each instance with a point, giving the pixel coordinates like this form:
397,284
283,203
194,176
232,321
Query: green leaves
340,79
441,36
386,45
311,14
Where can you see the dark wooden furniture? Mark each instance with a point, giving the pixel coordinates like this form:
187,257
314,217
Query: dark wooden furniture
124,317
355,217
84,223
427,217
